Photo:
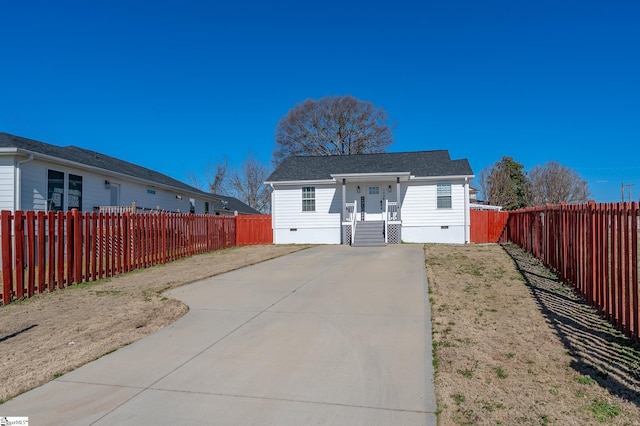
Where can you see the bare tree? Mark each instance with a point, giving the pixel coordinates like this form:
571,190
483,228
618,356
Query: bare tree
555,183
333,125
215,176
505,184
247,184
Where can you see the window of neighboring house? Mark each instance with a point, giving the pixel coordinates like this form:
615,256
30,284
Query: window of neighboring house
74,196
192,205
55,190
444,195
206,207
308,198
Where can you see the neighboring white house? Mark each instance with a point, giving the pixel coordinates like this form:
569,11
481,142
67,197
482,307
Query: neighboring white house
371,199
43,177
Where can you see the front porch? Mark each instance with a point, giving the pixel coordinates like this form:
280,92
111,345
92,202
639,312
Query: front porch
374,215
366,225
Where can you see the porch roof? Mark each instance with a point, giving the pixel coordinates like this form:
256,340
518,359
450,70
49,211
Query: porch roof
419,164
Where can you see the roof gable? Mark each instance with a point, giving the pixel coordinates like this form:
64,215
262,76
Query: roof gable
94,159
419,163
231,204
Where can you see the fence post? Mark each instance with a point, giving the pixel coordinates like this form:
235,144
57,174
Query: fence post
70,235
592,249
126,241
7,257
51,257
18,225
77,245
31,252
42,261
627,272
635,309
86,217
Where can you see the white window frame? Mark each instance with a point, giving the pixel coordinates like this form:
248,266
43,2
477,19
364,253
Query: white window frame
444,199
308,198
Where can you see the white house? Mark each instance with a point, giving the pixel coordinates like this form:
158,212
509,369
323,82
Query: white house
43,177
371,199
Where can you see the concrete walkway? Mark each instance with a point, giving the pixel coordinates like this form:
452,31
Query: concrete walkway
332,335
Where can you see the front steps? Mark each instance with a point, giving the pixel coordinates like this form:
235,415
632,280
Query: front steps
369,234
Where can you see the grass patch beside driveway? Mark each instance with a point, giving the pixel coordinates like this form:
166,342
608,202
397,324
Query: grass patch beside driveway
514,346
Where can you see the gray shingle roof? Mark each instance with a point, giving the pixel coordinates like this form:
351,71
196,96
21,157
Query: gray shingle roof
94,159
232,204
420,163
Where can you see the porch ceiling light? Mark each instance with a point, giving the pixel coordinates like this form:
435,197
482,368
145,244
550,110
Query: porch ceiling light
389,188
358,189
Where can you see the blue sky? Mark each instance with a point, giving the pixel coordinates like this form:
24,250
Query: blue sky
175,85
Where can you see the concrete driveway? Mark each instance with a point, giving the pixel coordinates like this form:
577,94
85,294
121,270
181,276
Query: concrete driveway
332,335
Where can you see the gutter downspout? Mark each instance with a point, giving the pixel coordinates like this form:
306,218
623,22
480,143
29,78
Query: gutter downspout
466,211
18,186
273,213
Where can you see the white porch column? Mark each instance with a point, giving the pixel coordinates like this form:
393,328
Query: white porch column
344,200
398,198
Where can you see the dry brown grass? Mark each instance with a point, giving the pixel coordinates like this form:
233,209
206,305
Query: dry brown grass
514,346
51,334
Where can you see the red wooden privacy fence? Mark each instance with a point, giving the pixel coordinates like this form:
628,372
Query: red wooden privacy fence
488,226
254,229
594,248
43,252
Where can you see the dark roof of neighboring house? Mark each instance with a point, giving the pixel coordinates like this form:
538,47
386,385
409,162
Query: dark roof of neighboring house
420,163
93,159
231,204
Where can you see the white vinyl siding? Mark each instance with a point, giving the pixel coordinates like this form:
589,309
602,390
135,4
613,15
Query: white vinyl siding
292,226
423,221
419,206
287,201
6,183
96,193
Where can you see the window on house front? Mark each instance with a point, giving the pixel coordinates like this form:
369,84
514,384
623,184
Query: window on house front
55,190
444,195
308,198
74,195
206,207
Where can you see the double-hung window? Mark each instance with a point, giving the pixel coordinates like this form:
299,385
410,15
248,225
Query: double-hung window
60,198
308,198
444,195
74,197
55,190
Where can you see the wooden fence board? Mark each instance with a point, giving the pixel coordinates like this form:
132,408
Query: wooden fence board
592,247
47,251
488,226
